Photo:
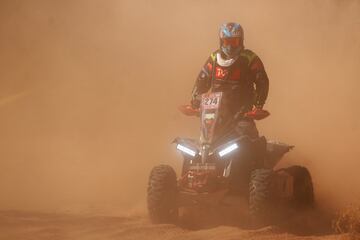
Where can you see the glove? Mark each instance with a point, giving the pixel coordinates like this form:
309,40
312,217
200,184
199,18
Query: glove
195,103
257,113
188,110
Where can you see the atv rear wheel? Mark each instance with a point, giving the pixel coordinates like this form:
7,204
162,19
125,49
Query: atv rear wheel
303,190
162,195
259,198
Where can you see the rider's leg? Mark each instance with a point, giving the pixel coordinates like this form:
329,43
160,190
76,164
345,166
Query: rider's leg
251,156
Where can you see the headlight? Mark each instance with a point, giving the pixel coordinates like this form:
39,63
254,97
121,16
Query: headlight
186,150
228,149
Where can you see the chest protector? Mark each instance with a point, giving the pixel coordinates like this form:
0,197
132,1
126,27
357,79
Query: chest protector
233,77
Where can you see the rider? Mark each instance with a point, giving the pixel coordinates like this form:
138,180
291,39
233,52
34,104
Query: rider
238,72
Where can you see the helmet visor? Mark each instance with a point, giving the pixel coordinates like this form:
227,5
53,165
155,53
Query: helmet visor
233,42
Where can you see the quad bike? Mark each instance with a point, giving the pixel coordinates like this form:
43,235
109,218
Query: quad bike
225,162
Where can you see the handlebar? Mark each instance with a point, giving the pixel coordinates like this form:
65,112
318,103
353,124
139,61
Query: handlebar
256,114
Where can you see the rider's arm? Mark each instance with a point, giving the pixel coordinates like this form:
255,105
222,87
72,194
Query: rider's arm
203,82
260,80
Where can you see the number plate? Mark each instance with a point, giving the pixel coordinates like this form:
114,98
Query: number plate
211,101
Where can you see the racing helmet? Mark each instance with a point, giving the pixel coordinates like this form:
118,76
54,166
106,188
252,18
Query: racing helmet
231,39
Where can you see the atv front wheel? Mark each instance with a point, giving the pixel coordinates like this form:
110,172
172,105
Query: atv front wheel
259,198
303,190
162,194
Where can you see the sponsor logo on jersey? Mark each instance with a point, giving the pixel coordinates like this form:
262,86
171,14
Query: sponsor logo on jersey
221,73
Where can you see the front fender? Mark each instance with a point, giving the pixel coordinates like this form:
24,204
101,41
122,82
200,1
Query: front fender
274,152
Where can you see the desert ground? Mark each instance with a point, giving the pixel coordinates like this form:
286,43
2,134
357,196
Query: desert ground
39,226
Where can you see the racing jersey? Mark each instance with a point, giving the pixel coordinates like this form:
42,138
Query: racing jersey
243,79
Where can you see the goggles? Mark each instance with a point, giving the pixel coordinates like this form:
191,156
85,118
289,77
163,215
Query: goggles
233,42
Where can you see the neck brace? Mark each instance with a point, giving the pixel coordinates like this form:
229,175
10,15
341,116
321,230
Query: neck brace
225,62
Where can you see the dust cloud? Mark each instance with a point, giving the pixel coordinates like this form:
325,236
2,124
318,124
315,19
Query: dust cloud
89,93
